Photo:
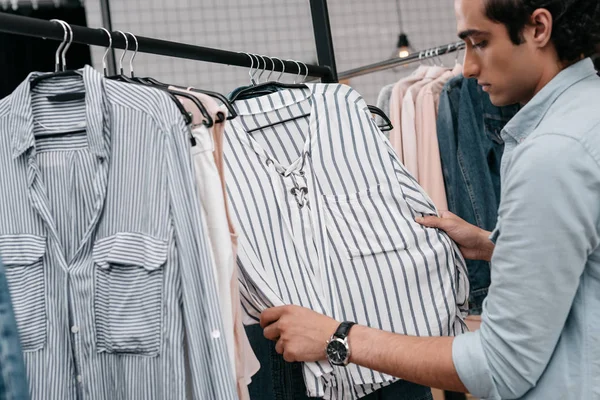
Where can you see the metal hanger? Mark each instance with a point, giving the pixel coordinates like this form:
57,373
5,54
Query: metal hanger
263,69
60,68
306,73
282,68
299,70
252,82
121,76
186,115
272,69
61,71
137,46
265,88
104,68
208,122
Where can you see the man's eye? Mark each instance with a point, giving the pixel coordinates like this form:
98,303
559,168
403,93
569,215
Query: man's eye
480,45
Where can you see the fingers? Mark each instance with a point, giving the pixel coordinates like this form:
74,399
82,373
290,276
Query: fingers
279,347
272,332
448,215
271,315
432,222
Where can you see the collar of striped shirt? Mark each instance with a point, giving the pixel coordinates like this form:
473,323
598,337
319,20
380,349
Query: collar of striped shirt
21,111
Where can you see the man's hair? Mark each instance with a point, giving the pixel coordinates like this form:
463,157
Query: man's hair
576,26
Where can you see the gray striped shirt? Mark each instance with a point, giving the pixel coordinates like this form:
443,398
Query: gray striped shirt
108,267
326,217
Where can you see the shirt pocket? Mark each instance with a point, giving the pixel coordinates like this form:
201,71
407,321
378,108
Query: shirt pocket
365,223
129,293
23,257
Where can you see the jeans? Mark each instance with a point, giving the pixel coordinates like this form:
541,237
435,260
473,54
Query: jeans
13,378
471,148
280,380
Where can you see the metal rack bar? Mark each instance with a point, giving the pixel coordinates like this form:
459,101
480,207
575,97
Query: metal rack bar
323,38
40,28
396,62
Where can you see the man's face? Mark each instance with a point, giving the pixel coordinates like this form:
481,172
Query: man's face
508,72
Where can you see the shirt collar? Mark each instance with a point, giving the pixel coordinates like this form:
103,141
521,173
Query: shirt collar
530,116
21,113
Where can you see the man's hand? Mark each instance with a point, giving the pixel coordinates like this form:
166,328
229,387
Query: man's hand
301,334
474,242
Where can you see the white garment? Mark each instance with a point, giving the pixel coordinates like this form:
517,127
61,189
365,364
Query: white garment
325,213
208,184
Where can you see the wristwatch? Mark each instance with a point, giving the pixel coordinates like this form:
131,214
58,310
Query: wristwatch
338,349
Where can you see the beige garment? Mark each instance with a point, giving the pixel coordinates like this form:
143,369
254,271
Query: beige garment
396,107
208,185
409,128
243,359
246,363
431,177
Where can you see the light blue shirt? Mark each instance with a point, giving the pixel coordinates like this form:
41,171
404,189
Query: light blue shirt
540,335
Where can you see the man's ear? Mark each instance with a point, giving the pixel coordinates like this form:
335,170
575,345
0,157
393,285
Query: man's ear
539,29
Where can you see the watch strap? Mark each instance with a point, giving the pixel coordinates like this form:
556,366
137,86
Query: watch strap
344,329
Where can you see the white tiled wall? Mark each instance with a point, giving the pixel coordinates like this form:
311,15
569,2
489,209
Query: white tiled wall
364,31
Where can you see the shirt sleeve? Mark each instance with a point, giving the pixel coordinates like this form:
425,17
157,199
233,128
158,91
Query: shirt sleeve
211,374
547,228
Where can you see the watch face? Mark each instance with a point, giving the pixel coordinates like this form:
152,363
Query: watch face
337,352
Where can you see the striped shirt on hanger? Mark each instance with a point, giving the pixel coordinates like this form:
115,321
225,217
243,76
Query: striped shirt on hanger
326,217
100,232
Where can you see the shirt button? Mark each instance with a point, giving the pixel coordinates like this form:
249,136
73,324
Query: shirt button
79,378
216,334
75,329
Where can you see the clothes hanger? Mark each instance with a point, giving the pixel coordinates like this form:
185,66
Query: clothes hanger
259,89
60,69
388,123
231,114
122,77
294,85
208,120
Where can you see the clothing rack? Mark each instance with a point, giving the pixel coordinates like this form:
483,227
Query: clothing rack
35,4
396,62
27,26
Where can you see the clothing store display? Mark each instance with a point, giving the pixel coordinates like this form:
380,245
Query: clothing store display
13,377
326,215
552,152
110,269
143,232
21,55
471,149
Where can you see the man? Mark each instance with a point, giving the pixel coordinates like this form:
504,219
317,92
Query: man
540,332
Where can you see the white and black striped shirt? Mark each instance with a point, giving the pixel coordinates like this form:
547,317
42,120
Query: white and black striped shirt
326,218
108,267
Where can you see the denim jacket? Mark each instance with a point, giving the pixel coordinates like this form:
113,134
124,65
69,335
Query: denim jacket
471,148
13,378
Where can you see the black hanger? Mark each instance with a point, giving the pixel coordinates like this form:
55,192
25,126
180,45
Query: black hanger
123,78
60,67
257,90
388,123
208,121
231,110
